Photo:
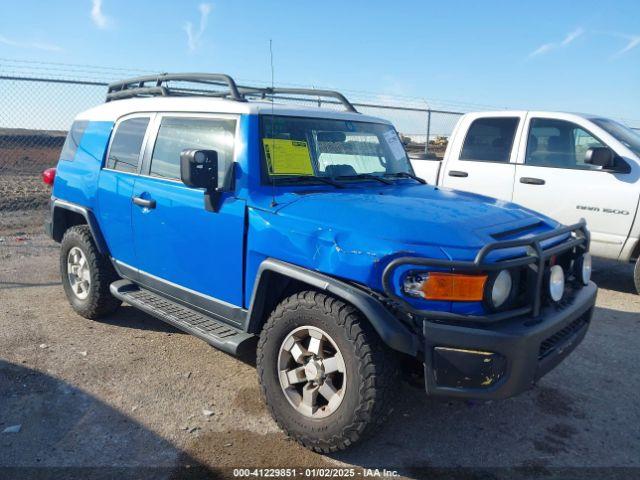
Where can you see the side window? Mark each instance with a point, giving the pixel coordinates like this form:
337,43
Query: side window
178,133
490,140
124,153
558,143
72,141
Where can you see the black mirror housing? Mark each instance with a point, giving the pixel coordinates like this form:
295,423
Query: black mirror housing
600,157
199,169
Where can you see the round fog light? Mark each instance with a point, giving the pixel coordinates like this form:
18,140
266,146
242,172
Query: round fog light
556,283
583,269
501,288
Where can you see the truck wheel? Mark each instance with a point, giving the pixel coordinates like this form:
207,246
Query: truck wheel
636,275
86,274
327,378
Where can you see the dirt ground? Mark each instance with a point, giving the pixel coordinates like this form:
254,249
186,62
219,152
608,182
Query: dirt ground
124,397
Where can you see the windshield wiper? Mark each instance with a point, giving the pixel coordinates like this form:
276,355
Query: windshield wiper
407,175
327,180
365,175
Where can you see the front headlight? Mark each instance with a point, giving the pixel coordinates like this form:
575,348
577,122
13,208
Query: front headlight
413,283
499,289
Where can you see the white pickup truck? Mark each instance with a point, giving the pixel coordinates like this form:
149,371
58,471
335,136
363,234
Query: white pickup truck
567,166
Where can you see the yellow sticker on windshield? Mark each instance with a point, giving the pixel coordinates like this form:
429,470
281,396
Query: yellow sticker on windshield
287,157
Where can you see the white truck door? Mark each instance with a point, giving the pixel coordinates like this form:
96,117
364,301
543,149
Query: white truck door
426,168
554,179
483,160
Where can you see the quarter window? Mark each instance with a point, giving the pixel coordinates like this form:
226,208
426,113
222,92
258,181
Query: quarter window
72,141
124,154
560,144
490,140
177,134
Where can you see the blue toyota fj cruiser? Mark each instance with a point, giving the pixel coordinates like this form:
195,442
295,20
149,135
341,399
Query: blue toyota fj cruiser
245,221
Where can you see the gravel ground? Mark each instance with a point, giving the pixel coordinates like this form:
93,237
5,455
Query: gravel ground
127,395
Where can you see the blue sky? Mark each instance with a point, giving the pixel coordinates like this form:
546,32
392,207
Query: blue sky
561,55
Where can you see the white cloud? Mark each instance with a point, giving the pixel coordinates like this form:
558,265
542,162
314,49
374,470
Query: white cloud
542,49
633,41
99,18
194,37
48,47
550,46
571,36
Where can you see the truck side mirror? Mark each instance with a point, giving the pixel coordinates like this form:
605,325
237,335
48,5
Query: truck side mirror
199,169
600,157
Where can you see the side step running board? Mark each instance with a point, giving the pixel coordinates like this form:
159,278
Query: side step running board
212,331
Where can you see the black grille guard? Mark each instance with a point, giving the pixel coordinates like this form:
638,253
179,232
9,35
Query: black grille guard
535,255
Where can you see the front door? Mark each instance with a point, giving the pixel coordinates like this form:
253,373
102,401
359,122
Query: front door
182,249
482,163
555,180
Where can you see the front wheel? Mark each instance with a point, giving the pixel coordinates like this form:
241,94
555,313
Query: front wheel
326,376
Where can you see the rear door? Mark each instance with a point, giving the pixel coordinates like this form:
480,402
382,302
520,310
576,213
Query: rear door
182,249
484,160
555,180
115,185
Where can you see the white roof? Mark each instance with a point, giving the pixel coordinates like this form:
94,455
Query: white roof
115,109
503,113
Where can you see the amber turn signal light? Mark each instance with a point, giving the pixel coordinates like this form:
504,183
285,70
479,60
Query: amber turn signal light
454,287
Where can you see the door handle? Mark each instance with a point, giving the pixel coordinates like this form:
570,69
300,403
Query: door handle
532,181
143,202
457,173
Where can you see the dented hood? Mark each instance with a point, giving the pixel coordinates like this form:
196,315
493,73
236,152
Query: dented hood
414,215
355,233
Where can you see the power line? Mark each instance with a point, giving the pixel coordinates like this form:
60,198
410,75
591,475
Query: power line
102,73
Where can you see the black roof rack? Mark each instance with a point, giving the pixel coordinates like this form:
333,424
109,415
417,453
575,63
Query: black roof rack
156,85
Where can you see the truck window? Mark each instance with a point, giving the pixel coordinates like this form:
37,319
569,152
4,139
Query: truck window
178,133
73,140
559,144
490,139
124,153
629,138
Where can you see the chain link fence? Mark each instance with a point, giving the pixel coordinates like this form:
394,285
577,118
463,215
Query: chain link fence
34,119
36,113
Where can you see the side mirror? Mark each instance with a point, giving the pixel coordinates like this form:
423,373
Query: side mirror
199,168
600,157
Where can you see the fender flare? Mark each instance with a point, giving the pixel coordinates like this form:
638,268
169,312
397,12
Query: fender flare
391,330
56,230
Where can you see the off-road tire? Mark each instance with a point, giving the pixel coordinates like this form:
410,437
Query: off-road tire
99,301
371,372
636,275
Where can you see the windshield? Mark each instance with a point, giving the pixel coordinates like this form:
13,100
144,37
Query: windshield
307,149
625,135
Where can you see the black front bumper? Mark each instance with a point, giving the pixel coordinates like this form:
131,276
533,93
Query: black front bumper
506,359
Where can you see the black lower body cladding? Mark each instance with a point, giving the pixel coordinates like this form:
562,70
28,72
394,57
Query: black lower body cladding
505,360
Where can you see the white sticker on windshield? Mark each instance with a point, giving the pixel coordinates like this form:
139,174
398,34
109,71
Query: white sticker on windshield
397,150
